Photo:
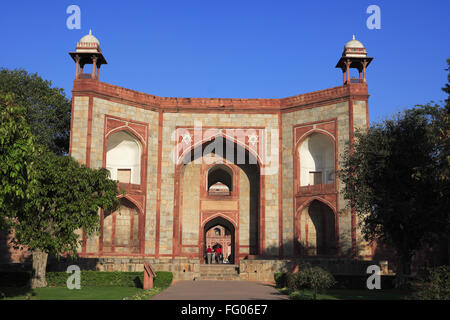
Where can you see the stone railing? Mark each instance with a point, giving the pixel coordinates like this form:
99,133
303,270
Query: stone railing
317,189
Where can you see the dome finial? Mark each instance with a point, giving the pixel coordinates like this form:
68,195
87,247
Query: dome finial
90,32
353,37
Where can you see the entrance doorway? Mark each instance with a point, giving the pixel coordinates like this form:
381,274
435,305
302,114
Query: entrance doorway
219,232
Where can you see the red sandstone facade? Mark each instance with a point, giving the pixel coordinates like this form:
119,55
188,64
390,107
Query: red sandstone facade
270,211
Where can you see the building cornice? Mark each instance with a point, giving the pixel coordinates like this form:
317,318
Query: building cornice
90,87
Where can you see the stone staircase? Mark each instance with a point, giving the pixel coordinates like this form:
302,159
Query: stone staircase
219,272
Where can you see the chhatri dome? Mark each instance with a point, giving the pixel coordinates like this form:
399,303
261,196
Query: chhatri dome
88,43
90,38
354,43
355,49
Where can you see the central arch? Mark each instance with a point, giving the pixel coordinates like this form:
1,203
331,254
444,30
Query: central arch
248,238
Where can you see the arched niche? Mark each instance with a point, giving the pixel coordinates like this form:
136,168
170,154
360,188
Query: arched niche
317,160
123,157
220,180
316,229
121,229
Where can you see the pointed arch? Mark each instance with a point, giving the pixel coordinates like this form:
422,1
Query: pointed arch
315,158
226,223
120,233
199,144
124,156
316,228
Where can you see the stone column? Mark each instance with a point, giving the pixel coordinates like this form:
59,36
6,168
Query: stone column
347,63
94,66
77,59
98,72
364,69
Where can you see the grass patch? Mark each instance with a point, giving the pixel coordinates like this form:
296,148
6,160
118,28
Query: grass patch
85,293
95,285
348,294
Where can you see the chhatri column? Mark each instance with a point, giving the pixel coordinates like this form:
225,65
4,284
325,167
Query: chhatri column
77,59
94,66
98,72
347,64
364,69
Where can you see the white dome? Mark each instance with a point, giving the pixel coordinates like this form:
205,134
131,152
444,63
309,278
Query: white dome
90,38
354,43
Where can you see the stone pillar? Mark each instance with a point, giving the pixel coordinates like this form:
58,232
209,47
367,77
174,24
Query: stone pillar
98,72
347,63
364,69
77,59
94,66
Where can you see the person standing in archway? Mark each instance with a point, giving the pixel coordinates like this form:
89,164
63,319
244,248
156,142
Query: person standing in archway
219,256
209,253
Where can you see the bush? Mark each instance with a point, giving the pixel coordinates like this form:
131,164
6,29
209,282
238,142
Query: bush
88,279
435,285
319,280
308,277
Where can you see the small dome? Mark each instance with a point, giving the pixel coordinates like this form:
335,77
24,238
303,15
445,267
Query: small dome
354,43
89,39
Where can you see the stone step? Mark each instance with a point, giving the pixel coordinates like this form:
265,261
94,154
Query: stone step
228,266
219,272
220,278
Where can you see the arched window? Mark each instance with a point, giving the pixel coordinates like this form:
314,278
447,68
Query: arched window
123,157
316,155
220,180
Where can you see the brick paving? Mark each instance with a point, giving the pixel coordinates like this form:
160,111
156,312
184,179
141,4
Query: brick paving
220,290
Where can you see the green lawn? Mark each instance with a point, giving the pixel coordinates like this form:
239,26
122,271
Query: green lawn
85,293
349,294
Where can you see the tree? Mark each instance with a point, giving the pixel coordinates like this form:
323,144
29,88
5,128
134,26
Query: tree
380,178
47,110
45,198
396,177
64,197
17,154
438,118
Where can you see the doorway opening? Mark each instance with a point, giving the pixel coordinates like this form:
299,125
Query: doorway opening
219,232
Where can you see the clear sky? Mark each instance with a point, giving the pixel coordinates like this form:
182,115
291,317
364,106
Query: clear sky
240,49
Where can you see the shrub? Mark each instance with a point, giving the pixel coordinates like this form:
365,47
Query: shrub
319,280
435,285
308,277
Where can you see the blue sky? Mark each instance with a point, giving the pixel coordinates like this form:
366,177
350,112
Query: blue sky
241,49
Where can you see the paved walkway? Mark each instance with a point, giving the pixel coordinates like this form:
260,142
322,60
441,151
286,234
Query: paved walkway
220,290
